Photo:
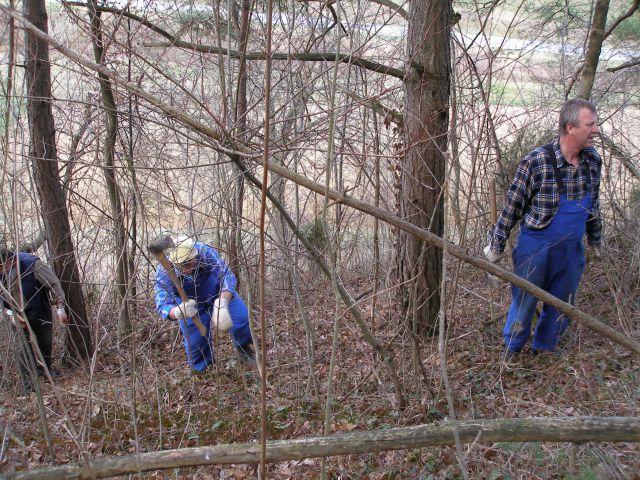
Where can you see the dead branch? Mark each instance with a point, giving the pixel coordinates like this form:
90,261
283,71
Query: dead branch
629,64
536,429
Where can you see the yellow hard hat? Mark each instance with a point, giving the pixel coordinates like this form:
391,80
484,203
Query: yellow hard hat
183,251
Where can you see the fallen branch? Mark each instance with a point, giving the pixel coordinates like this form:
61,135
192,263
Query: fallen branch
629,64
554,429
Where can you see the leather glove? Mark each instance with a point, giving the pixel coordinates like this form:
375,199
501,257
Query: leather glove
186,309
221,318
492,256
62,316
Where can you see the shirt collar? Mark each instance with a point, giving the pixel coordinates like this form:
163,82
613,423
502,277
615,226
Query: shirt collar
582,158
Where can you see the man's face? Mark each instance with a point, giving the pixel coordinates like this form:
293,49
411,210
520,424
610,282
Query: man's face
586,130
188,267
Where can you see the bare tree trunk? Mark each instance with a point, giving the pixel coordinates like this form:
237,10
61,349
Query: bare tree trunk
426,123
235,245
596,36
136,199
45,165
108,153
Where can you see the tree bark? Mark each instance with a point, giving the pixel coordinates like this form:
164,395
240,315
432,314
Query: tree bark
553,429
421,185
596,36
44,157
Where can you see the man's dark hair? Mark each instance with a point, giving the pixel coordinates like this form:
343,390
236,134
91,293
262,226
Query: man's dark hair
570,113
5,254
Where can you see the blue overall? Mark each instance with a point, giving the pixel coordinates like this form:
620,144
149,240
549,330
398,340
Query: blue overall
210,278
553,259
205,291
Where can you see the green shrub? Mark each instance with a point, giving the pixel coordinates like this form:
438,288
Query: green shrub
314,232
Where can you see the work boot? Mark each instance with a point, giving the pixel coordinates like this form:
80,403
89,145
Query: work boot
54,373
544,353
245,354
510,359
546,357
27,388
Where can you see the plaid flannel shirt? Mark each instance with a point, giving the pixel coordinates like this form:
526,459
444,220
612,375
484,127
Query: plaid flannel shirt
533,196
209,263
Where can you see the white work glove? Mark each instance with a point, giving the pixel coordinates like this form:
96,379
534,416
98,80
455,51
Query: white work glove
595,251
186,309
18,322
492,256
221,318
62,316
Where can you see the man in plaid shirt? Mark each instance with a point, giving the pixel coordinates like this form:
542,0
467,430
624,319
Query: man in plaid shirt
554,196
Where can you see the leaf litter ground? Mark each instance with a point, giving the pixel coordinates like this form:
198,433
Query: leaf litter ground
149,401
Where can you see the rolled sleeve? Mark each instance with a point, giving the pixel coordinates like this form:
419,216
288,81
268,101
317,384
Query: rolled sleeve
166,295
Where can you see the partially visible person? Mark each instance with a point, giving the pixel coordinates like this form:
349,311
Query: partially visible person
555,197
210,286
30,290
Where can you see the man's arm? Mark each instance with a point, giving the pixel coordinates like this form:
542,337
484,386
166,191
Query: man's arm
517,200
45,276
220,269
594,222
166,295
594,226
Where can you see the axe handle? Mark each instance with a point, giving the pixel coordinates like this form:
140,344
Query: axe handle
166,264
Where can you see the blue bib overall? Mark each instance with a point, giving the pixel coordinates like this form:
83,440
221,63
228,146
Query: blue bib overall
553,259
205,288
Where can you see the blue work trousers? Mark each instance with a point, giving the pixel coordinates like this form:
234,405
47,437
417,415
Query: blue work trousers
199,349
552,259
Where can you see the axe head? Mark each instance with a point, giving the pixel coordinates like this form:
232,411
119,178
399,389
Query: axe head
160,244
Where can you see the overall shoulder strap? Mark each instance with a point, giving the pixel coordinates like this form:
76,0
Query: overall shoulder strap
588,175
554,163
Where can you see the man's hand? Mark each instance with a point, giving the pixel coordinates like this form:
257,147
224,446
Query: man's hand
492,256
184,310
17,320
221,318
61,314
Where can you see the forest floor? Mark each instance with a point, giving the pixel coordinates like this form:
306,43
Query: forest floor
174,409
